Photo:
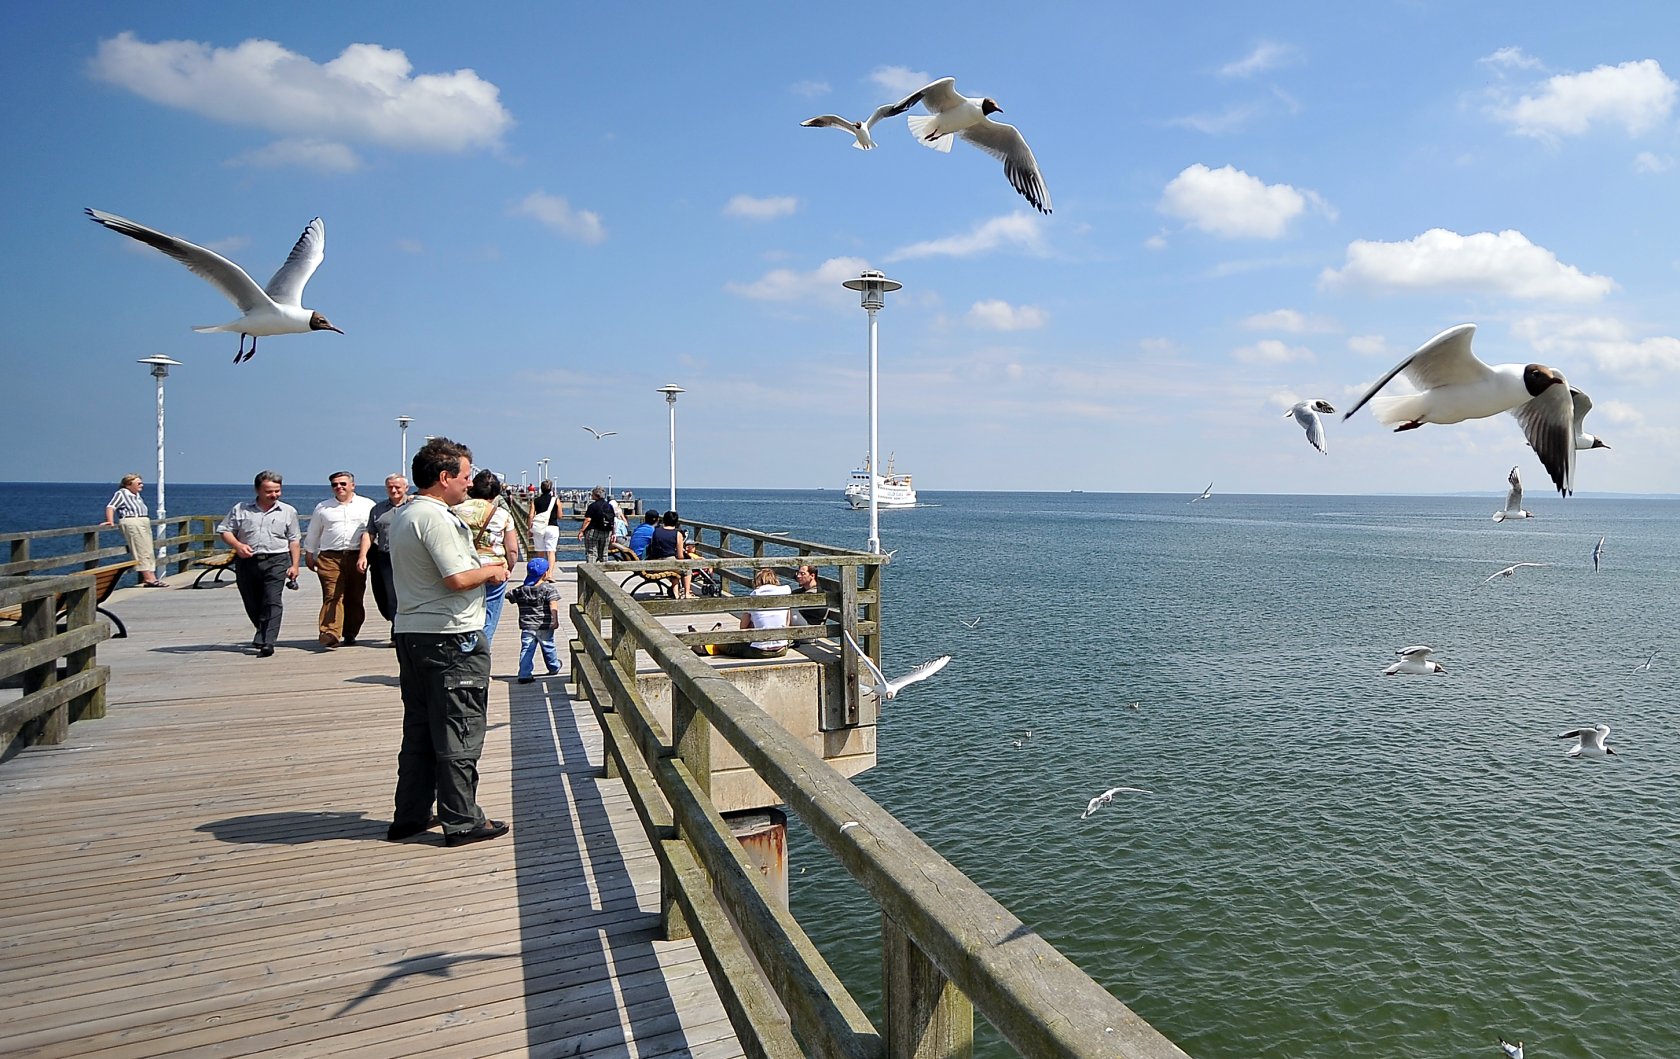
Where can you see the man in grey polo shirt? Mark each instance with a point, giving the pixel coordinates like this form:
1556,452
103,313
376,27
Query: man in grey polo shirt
442,659
265,539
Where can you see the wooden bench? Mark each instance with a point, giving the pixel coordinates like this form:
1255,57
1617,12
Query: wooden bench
219,564
105,580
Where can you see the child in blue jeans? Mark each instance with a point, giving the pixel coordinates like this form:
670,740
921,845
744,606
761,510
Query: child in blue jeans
539,615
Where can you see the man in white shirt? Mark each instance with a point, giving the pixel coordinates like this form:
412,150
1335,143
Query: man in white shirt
331,548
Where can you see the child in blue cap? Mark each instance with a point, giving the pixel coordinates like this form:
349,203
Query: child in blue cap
538,600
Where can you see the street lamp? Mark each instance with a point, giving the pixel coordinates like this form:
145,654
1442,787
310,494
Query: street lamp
542,469
403,422
670,392
160,371
874,287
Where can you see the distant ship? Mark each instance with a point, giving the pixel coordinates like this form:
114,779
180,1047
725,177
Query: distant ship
892,489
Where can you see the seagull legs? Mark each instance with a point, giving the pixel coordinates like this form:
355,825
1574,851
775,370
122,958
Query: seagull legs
1413,425
253,350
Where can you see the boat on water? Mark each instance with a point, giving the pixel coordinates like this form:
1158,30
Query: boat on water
892,489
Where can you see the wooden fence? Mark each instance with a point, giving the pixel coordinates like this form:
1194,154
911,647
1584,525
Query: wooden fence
949,948
32,649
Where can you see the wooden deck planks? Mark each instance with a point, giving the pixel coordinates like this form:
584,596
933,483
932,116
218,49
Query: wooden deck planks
203,872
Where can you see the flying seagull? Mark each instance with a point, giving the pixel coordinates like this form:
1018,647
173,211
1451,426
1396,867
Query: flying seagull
865,142
1107,797
1455,386
599,434
1512,1051
975,624
1306,413
1598,553
1511,570
1206,493
952,114
1646,665
1513,500
273,310
1414,660
1582,405
1591,742
885,689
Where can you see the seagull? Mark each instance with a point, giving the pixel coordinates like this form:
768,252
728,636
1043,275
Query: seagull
1456,386
1306,414
1108,796
1414,660
1646,665
1512,1051
1511,570
865,142
1598,552
975,624
1023,739
1134,705
885,689
1206,493
273,310
1582,405
1513,500
1592,742
952,114
599,434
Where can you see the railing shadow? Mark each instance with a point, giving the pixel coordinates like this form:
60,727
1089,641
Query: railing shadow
592,975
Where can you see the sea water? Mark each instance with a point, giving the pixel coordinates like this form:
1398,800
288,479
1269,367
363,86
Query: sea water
1331,862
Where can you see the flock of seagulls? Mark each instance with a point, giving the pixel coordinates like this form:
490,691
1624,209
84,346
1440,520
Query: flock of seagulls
276,309
951,115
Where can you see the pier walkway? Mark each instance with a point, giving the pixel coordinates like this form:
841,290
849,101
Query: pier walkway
204,871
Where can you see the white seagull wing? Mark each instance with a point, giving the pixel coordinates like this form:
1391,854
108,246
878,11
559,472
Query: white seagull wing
937,96
1312,424
919,674
875,673
223,274
1007,145
1513,499
1547,423
1418,651
286,288
1582,405
826,121
1444,360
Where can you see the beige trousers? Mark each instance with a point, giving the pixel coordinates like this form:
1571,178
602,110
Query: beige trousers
137,534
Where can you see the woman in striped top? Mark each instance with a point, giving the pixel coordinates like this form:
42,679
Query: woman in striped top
127,511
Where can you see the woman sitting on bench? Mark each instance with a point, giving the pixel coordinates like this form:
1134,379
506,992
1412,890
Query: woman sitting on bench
765,583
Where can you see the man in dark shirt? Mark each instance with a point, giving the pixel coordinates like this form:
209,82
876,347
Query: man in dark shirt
376,546
597,529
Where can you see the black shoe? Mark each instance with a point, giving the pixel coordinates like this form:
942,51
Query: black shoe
554,672
264,651
526,680
482,833
398,832
349,641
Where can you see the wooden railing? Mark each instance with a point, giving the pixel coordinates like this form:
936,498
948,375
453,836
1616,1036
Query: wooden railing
30,653
182,537
949,948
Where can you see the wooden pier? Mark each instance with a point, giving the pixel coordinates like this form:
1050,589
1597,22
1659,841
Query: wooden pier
204,871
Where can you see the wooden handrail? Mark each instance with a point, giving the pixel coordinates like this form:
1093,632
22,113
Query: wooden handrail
51,700
947,942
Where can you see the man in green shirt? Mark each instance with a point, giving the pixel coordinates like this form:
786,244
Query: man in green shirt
443,662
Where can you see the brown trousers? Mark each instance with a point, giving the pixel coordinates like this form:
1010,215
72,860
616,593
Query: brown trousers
342,588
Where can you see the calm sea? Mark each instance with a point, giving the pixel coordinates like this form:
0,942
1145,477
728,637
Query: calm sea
1332,862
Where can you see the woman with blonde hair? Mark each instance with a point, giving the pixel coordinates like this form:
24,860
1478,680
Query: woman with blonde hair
127,511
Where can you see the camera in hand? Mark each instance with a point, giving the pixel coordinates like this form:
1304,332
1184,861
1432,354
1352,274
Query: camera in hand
291,582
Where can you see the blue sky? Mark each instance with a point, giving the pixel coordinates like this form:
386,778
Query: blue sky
536,216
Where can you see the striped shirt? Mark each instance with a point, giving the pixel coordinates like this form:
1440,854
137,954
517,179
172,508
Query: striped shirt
127,504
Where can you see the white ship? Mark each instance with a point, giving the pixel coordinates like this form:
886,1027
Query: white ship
892,489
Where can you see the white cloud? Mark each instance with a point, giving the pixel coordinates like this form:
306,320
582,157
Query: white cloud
1634,95
1289,321
765,209
1444,261
1016,229
1606,341
1271,351
899,80
1158,241
810,89
1267,55
998,315
556,213
1230,203
1646,162
1368,345
1232,119
788,285
368,94
320,155
1511,58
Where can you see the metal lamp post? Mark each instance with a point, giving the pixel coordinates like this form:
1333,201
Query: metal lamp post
874,287
403,422
670,392
160,371
542,470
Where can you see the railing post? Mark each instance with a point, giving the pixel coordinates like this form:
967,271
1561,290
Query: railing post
848,576
872,610
90,543
926,1017
79,615
691,737
20,550
40,620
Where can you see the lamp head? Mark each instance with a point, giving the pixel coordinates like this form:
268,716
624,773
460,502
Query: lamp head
873,286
